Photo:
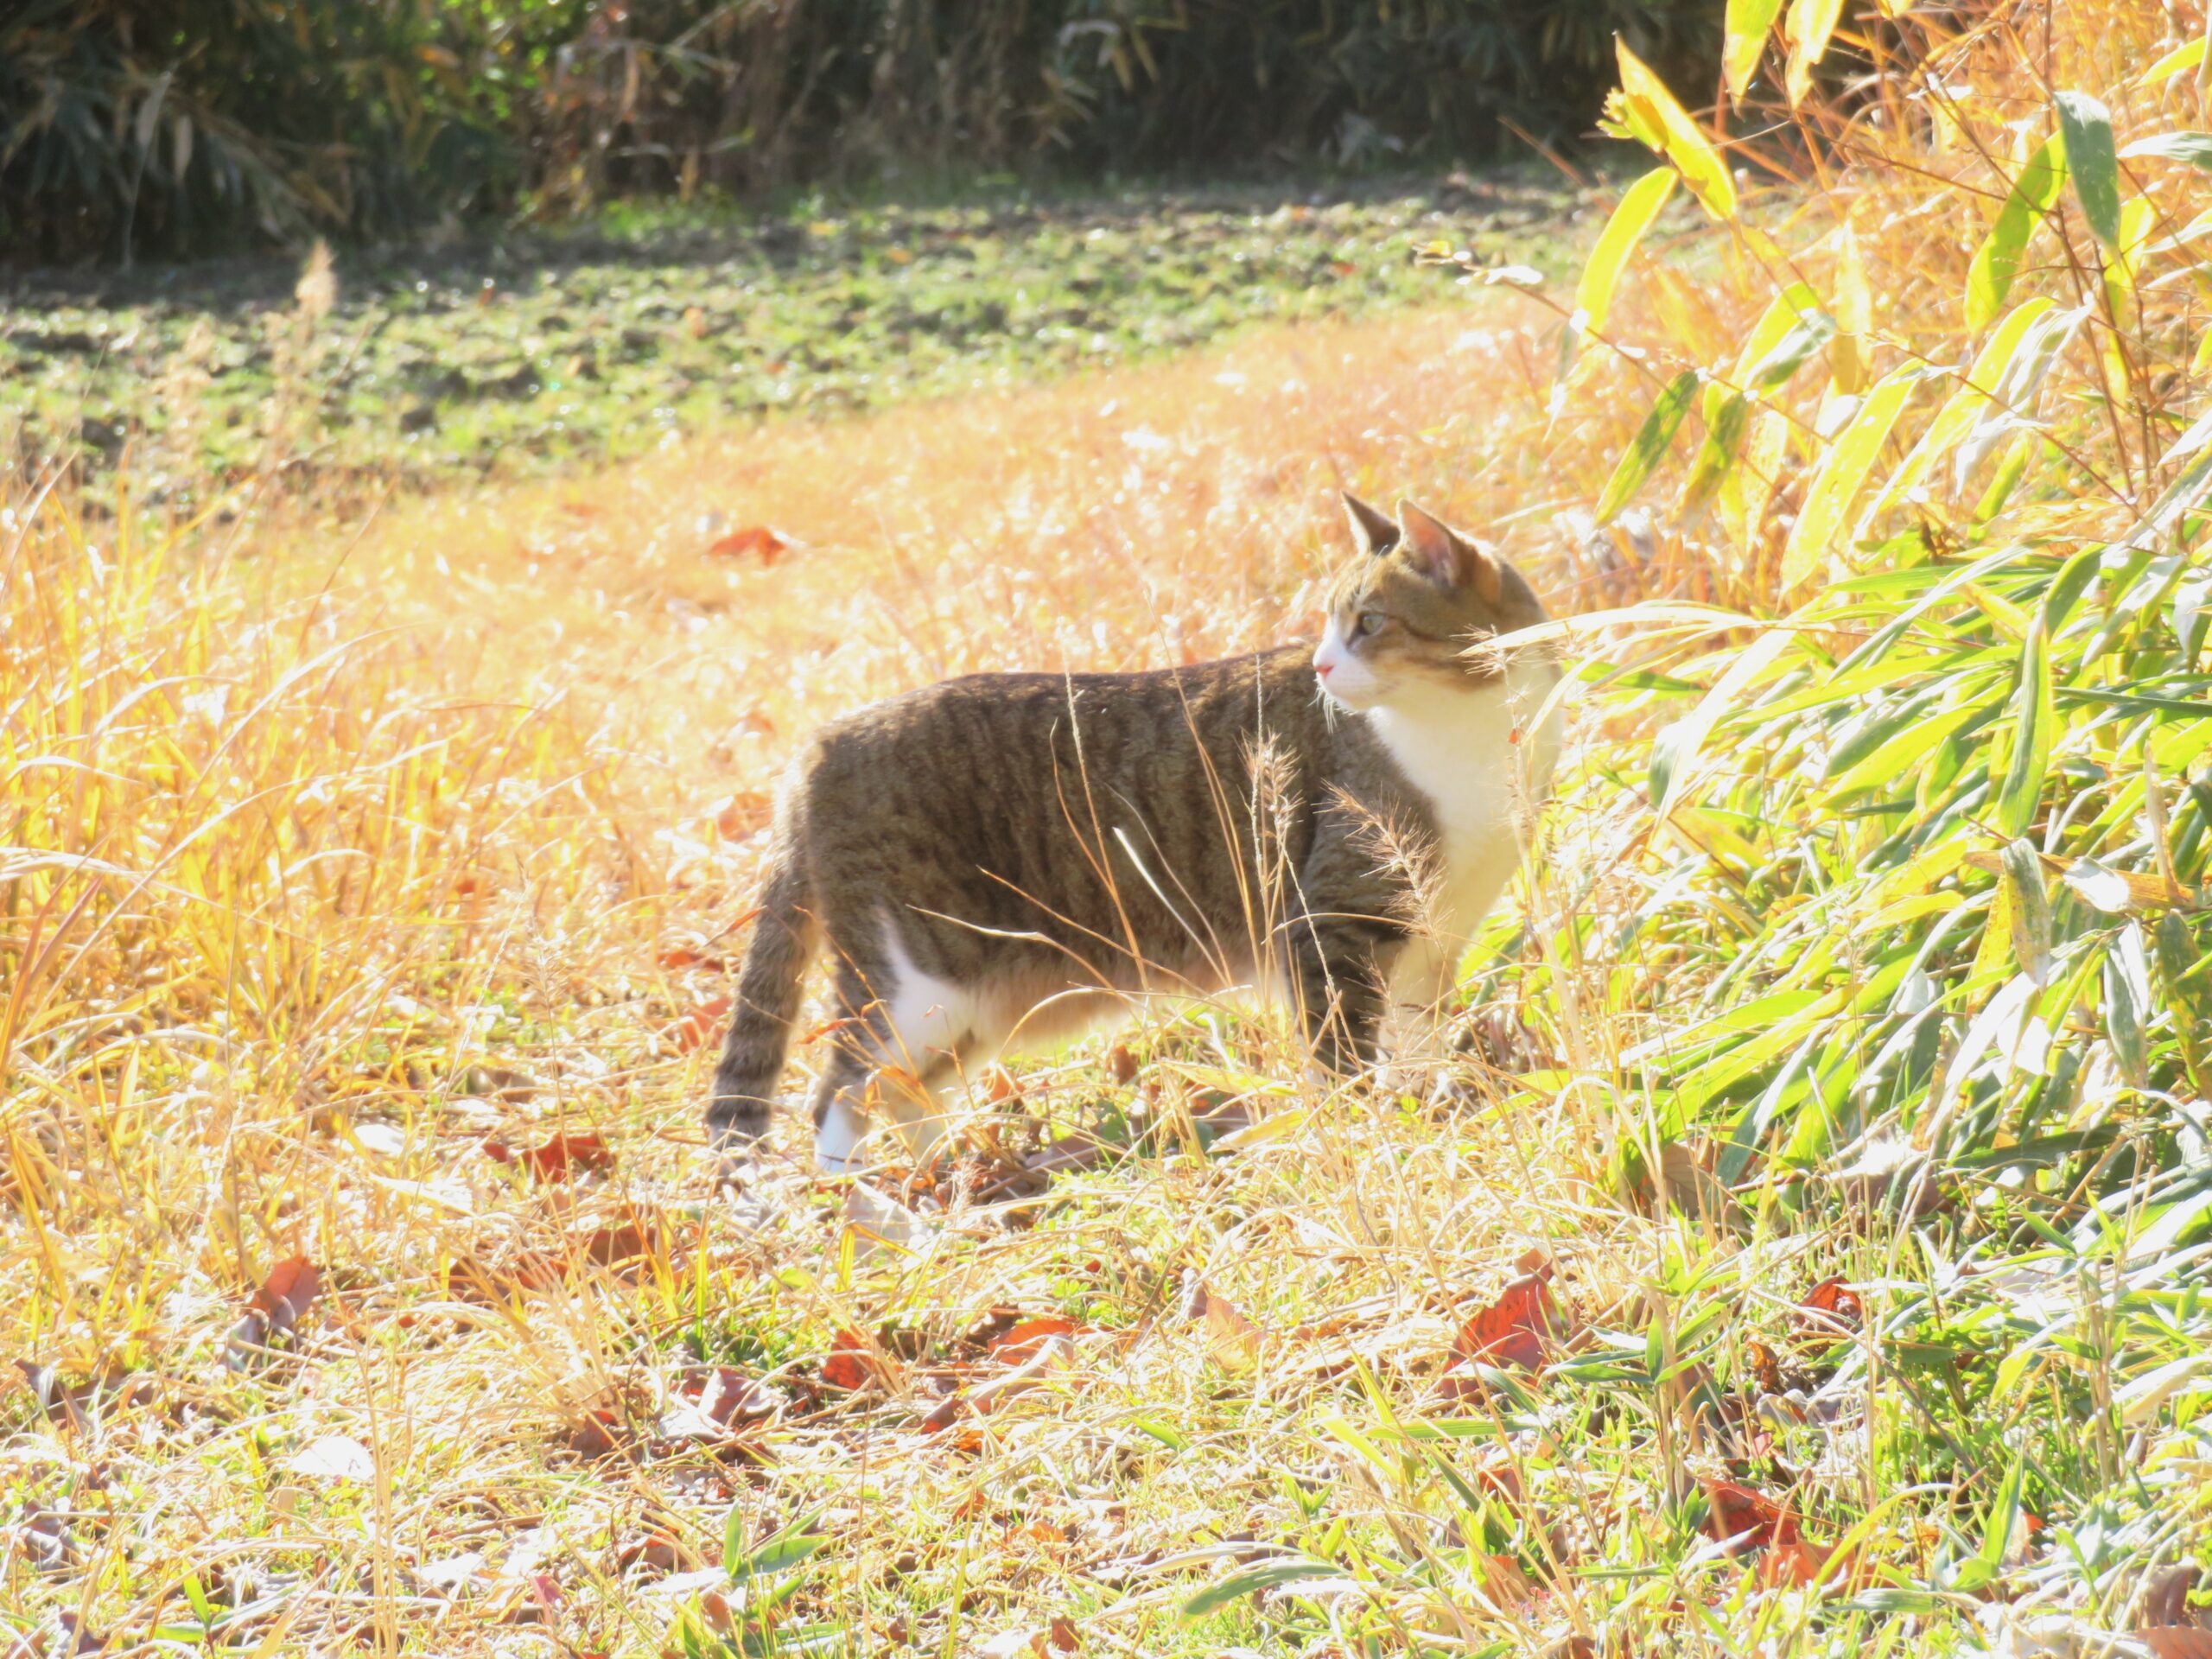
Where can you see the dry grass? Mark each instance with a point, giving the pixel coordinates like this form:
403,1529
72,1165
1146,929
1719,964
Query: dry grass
331,865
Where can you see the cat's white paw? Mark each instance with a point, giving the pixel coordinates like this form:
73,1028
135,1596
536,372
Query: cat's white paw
838,1140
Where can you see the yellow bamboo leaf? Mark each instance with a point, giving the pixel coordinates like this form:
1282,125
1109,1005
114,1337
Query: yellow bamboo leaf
1843,471
1808,27
1749,22
1647,109
1593,295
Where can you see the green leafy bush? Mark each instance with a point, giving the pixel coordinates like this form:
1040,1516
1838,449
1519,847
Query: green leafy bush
174,124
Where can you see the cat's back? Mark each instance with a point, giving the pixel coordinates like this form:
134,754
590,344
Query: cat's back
982,726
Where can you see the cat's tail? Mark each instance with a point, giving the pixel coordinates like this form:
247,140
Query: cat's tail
768,983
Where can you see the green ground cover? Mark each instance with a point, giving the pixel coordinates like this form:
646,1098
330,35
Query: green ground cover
543,351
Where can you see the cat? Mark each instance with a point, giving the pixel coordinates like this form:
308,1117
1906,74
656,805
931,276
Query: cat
1002,860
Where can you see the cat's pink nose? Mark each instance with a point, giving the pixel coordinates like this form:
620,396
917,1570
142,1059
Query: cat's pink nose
1323,669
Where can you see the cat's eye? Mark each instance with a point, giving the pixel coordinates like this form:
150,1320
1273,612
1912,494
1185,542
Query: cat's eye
1367,622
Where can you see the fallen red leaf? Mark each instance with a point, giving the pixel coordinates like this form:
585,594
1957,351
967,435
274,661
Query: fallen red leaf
1836,1300
1515,1329
697,1027
851,1363
680,958
754,539
1017,1345
275,1308
559,1159
1743,1518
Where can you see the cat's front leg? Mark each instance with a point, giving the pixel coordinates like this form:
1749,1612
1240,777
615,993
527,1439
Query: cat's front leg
1341,980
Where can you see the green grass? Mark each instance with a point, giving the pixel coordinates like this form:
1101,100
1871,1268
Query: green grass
550,350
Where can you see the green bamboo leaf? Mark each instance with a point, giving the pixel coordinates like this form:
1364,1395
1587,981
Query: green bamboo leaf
2194,148
2087,126
1266,1575
1749,22
2127,1004
1593,295
2035,721
1958,414
1997,262
1842,472
1678,745
2029,917
2182,496
1795,335
1652,441
1899,756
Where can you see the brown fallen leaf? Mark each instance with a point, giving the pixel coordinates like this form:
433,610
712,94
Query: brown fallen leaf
1742,1519
2165,1596
754,540
697,1028
851,1364
724,1394
1763,1366
1513,1331
1832,1306
559,1159
600,1435
274,1313
1019,1344
1232,1340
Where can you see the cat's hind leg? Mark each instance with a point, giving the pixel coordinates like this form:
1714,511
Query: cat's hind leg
905,1042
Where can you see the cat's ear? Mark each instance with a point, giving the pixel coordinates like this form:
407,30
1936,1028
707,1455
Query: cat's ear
1447,558
1372,528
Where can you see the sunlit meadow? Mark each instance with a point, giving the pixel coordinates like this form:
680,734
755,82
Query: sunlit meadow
1802,1256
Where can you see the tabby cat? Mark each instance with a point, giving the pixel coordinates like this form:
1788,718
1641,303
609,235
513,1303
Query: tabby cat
1002,860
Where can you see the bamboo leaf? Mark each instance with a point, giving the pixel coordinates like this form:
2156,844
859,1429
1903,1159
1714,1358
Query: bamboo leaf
1748,24
2088,127
2194,148
1266,1575
1897,756
2036,720
1593,295
1650,446
1957,416
1842,472
1808,26
2185,56
1997,262
1678,745
1647,109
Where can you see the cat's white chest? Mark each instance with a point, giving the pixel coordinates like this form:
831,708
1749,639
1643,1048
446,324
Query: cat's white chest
1475,763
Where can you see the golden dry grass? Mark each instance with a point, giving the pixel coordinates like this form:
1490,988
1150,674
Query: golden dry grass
338,857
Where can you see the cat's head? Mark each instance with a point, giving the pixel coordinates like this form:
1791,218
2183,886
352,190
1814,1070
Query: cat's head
1404,613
